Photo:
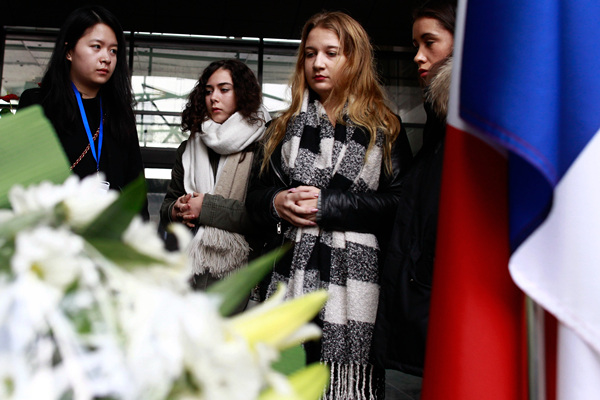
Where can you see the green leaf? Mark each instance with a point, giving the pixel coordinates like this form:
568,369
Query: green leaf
290,360
6,254
120,253
236,287
14,225
113,221
30,152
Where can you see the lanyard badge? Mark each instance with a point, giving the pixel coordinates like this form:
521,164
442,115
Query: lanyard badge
86,125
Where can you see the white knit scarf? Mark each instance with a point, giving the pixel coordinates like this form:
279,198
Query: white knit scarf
214,250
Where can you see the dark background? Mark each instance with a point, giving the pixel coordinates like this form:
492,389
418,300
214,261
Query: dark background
388,22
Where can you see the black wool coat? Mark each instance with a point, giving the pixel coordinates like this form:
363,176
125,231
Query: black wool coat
406,281
403,313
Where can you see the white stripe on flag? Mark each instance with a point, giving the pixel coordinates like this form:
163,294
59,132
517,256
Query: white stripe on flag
578,368
558,266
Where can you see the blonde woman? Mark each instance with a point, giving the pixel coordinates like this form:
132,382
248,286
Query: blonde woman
328,182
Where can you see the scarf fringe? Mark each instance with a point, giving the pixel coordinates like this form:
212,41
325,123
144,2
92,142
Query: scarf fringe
218,252
350,382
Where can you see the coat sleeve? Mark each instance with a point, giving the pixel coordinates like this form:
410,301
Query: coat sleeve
262,189
226,214
135,168
135,165
175,189
368,212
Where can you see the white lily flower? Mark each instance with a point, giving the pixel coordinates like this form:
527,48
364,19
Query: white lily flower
171,268
266,356
182,234
225,369
75,324
154,352
82,199
53,255
85,200
42,197
143,237
25,305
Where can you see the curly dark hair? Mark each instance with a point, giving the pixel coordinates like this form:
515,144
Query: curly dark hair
246,88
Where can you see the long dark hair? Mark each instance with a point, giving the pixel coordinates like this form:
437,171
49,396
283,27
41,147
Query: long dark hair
247,94
58,99
442,10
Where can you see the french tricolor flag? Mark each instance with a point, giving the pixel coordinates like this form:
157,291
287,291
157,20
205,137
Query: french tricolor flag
520,203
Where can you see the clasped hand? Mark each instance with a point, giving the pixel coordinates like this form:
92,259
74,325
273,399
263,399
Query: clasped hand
187,208
298,205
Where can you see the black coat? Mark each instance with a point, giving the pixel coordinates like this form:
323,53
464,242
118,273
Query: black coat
120,160
403,313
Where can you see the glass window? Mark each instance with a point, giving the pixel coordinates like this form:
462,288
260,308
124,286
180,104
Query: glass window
399,75
25,60
165,70
278,66
166,67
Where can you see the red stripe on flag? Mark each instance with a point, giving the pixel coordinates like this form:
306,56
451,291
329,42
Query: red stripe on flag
475,345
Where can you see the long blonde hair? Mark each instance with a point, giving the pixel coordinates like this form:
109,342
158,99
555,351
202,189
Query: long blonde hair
357,85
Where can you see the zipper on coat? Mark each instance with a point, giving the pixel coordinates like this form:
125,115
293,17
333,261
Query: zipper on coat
277,173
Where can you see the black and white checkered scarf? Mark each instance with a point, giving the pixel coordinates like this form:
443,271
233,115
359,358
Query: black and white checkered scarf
316,153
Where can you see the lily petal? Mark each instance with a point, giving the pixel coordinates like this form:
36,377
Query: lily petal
276,325
307,384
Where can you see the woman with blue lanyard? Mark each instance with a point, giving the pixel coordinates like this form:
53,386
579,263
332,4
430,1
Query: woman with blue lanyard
86,94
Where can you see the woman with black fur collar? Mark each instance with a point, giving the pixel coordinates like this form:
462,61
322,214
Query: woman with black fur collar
401,327
329,178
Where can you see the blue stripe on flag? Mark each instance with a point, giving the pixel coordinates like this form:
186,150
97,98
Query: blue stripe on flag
531,79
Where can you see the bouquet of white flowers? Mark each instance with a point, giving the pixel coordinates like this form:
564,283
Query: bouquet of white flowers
92,306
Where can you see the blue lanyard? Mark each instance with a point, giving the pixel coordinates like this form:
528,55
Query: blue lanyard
86,125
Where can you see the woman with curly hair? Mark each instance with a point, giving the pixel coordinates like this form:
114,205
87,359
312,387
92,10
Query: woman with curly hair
225,117
327,183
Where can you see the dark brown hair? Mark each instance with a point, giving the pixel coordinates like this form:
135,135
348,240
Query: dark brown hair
247,93
442,10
